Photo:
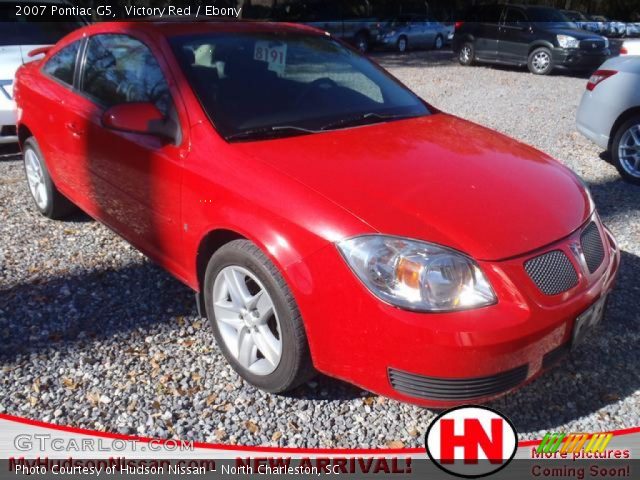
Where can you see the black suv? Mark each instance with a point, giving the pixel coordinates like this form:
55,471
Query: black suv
540,37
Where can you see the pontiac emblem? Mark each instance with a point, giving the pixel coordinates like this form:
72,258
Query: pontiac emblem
576,249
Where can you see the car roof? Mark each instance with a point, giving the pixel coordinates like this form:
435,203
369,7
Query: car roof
169,28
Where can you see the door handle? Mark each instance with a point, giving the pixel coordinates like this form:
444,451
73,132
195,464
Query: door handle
74,129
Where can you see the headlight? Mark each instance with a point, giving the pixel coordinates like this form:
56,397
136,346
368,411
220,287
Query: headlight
390,34
566,41
606,42
417,275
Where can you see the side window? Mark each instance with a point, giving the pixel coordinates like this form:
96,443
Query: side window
515,17
121,69
63,64
490,14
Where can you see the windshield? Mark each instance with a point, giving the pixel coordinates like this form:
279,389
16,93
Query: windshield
549,16
31,29
289,83
576,16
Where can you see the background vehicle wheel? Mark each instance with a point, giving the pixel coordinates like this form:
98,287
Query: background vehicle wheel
48,200
540,61
255,318
467,53
439,42
625,150
362,42
403,44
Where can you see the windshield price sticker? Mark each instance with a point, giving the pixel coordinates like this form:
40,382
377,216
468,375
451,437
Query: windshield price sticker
274,54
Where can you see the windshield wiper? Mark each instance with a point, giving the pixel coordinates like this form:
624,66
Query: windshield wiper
269,132
364,119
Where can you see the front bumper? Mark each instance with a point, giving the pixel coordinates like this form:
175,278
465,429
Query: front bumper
441,360
383,41
578,59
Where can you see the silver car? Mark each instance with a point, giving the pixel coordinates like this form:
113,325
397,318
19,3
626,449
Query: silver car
609,113
414,31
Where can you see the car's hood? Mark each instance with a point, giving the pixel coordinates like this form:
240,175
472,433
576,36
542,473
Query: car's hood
572,32
13,56
438,178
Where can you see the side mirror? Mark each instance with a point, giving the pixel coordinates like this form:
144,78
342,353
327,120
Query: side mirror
139,117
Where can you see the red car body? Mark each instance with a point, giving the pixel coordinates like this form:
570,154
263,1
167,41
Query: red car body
436,178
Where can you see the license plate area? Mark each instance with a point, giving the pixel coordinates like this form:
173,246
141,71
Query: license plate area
587,321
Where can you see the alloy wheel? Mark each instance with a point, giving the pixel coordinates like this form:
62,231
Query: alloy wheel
465,54
541,61
402,45
362,44
35,179
438,42
629,151
247,320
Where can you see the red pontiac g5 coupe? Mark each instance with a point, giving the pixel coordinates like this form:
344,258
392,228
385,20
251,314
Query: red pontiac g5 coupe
328,218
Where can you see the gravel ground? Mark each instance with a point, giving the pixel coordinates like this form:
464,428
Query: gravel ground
94,335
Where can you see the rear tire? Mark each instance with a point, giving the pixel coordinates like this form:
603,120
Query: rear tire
46,197
467,54
244,328
540,61
625,150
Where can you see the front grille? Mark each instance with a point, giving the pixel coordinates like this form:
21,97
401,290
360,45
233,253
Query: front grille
592,45
432,388
592,247
552,272
555,355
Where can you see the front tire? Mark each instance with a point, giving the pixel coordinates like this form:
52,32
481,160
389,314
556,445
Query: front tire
362,42
540,61
439,42
467,54
625,150
403,44
255,318
46,197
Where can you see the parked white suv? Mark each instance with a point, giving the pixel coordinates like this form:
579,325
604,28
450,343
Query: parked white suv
20,34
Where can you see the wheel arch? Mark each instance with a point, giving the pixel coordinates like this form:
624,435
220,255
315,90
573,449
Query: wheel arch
622,118
538,44
23,133
210,244
459,42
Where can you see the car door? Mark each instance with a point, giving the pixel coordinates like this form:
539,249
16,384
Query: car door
486,44
515,36
429,31
61,147
133,179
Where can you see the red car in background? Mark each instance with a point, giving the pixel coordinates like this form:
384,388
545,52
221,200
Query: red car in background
328,218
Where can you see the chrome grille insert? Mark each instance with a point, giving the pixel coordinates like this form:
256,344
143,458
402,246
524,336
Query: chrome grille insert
552,272
592,247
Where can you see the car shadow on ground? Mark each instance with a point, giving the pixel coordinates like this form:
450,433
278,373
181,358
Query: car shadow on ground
414,58
613,197
56,312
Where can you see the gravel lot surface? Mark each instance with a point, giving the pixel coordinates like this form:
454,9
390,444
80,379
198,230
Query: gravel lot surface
94,335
